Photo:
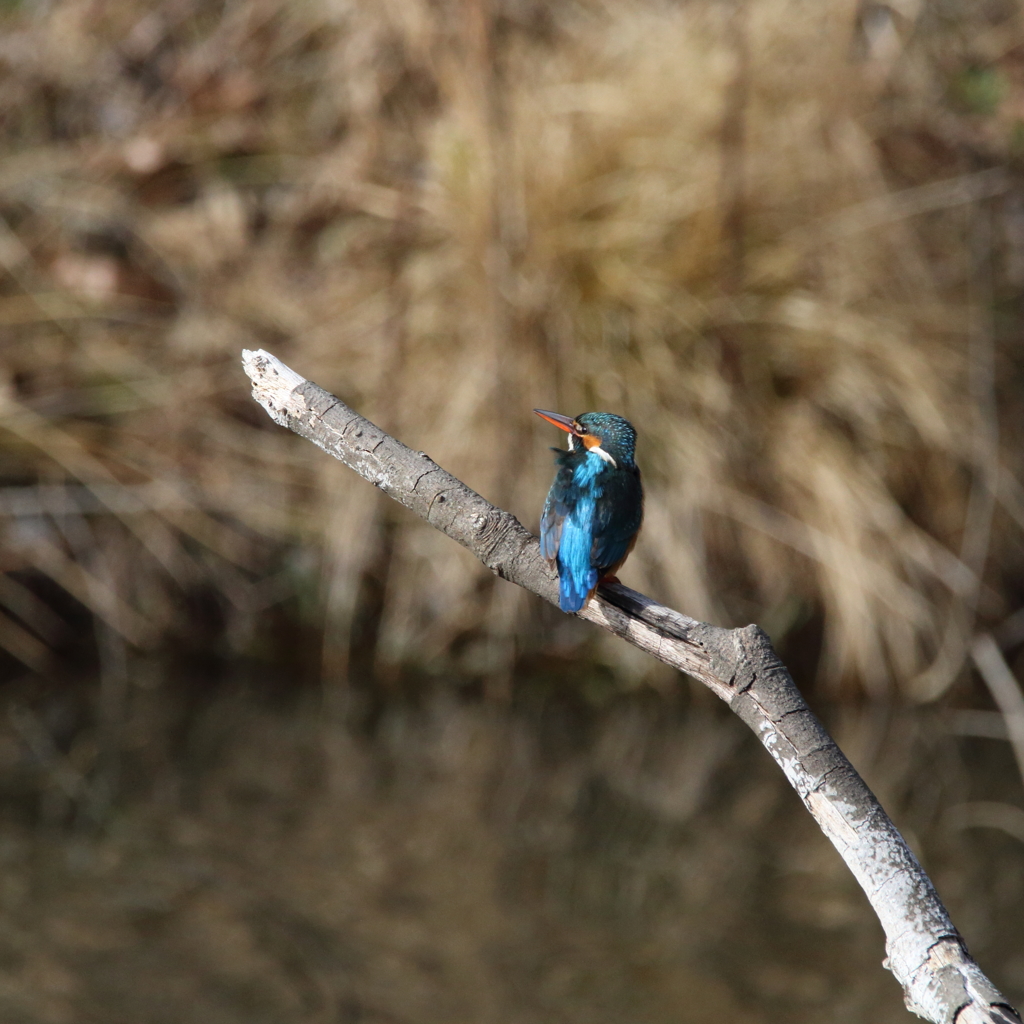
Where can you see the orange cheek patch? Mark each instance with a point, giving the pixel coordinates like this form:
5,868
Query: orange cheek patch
591,441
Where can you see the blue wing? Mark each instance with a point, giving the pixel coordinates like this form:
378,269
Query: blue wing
577,576
551,528
617,519
566,536
556,508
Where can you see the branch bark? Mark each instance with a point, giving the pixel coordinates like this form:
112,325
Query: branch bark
924,951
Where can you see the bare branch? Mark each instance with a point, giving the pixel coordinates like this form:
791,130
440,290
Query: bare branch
925,952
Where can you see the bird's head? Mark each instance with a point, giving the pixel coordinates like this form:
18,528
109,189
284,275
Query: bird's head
609,436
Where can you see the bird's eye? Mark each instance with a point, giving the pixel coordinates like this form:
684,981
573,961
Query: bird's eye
578,427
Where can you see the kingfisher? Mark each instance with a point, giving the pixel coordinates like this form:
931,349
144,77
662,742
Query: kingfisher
595,506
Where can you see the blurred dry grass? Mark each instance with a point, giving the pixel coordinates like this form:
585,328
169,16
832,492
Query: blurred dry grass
771,234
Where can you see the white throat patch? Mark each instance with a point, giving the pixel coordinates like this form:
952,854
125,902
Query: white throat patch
598,450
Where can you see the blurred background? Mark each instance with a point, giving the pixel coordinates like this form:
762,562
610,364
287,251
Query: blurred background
271,750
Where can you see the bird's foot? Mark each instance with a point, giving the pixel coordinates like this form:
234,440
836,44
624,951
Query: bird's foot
609,579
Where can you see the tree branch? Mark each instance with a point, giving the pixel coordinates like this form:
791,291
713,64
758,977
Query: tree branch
925,952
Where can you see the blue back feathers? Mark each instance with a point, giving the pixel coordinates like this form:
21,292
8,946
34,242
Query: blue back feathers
594,508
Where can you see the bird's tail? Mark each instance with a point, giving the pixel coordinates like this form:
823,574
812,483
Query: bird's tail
573,590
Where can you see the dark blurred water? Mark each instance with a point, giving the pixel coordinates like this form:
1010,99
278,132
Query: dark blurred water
424,854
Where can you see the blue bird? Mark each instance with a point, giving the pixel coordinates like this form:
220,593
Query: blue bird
595,506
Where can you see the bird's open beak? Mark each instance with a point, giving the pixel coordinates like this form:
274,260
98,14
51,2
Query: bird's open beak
563,422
